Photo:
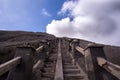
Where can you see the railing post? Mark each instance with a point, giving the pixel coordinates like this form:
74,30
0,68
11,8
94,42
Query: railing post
77,56
91,53
73,44
24,70
81,60
42,55
94,71
73,50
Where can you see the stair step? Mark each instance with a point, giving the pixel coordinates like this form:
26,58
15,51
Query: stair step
67,63
70,66
74,76
71,71
50,75
64,57
49,69
50,65
45,79
52,62
53,58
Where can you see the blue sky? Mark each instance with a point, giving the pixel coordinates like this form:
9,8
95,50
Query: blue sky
28,15
93,20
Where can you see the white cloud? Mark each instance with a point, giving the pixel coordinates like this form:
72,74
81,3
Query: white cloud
67,6
45,13
61,28
94,20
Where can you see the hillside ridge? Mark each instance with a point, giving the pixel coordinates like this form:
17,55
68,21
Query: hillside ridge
11,39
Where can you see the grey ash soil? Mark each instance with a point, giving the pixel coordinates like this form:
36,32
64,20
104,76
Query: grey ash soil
9,40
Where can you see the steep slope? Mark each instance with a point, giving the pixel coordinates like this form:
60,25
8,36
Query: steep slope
10,39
